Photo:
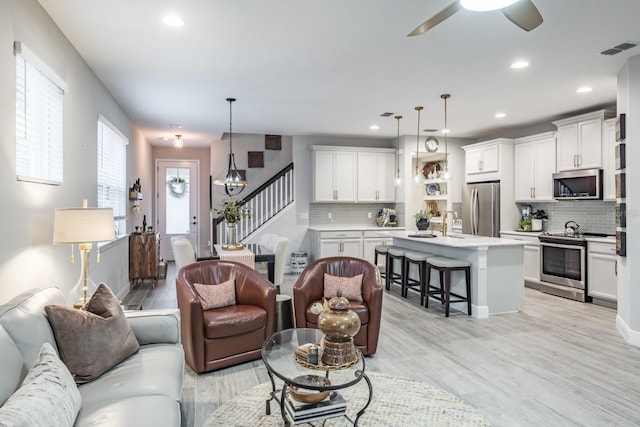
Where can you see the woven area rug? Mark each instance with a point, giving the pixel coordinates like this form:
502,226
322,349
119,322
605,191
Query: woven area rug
396,402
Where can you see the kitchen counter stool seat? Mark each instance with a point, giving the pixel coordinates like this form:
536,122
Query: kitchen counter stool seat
393,276
418,259
381,250
442,293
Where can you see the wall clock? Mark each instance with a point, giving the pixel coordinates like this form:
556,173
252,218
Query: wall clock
431,144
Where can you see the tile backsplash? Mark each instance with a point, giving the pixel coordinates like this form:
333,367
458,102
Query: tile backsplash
594,216
350,213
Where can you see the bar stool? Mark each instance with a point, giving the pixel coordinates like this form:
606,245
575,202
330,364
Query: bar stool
443,293
381,250
394,253
420,260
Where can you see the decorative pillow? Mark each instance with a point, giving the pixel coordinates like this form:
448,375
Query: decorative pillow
93,340
47,397
217,296
351,287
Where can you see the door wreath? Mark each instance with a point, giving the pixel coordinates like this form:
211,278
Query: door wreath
177,187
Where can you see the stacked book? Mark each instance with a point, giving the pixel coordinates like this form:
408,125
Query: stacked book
300,413
303,351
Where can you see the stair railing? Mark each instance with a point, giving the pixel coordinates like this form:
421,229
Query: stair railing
263,203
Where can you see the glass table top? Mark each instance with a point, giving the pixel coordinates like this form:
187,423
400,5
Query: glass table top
278,355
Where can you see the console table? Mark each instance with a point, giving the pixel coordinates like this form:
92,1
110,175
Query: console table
144,251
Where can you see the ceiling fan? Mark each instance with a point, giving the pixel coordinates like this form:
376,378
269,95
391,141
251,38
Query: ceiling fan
523,13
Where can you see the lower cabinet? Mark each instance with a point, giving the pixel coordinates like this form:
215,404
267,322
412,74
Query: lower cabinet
341,247
602,276
369,244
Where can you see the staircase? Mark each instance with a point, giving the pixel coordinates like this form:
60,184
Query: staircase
263,203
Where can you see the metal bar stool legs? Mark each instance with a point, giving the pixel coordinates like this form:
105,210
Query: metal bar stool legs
443,293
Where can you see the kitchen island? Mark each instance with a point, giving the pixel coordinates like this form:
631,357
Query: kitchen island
497,283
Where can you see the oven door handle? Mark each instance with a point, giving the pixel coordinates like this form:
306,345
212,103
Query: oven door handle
557,245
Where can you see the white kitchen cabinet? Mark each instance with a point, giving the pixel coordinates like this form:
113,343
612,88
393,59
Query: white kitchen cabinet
486,161
609,160
370,242
602,271
535,165
336,243
531,256
376,172
580,141
334,175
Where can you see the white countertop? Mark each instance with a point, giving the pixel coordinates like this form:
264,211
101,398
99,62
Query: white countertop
350,227
611,239
454,239
521,233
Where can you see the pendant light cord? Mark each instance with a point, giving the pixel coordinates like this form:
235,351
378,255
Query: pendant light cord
398,148
230,100
446,130
418,109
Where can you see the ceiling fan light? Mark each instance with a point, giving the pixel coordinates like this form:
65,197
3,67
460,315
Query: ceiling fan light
485,5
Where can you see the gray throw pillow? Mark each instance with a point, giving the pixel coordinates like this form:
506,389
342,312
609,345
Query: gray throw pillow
94,339
47,397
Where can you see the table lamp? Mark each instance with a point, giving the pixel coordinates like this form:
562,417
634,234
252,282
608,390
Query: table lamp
83,226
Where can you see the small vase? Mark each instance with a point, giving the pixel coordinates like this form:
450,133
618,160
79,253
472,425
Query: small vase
231,238
423,224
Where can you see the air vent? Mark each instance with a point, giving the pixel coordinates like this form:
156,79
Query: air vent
386,114
429,130
619,48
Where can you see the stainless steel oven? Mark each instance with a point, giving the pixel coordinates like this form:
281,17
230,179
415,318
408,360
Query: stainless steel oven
563,269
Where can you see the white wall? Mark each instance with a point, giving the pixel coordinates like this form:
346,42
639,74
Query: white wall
27,257
628,318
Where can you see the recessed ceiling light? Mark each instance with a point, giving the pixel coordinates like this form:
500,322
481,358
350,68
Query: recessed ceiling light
374,127
519,64
500,115
173,21
585,89
446,130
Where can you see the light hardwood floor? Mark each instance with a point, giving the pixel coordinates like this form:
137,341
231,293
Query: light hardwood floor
556,363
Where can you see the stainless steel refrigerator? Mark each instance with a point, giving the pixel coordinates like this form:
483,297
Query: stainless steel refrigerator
481,209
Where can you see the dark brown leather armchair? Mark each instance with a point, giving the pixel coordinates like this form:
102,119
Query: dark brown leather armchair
226,336
309,288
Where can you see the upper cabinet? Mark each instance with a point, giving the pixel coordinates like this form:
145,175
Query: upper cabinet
535,163
376,172
485,161
579,144
334,175
352,174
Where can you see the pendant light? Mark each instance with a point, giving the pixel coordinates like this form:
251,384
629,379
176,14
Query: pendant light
416,178
398,180
233,181
444,173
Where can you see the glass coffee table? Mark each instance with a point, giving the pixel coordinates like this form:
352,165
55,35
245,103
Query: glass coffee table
278,354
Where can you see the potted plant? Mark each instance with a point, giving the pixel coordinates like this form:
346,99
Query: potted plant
232,211
536,219
525,223
423,219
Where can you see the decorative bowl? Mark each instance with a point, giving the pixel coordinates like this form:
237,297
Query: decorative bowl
306,395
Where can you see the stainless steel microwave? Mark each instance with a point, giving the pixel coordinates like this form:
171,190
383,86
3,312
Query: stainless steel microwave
578,185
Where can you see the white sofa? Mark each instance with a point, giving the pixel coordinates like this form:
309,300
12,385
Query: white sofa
143,390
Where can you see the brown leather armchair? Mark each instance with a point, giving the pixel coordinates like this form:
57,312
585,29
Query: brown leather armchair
226,336
309,288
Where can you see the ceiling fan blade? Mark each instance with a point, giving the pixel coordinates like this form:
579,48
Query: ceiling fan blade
436,19
524,14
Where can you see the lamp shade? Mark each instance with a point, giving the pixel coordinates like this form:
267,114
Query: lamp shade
83,225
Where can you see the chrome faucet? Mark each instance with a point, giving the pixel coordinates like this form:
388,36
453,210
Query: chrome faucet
444,222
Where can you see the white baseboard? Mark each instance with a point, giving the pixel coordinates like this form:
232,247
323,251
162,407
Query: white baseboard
630,336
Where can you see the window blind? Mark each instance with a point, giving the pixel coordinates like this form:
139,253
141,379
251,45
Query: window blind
112,171
39,93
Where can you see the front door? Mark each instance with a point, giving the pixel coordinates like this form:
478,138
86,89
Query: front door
177,191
